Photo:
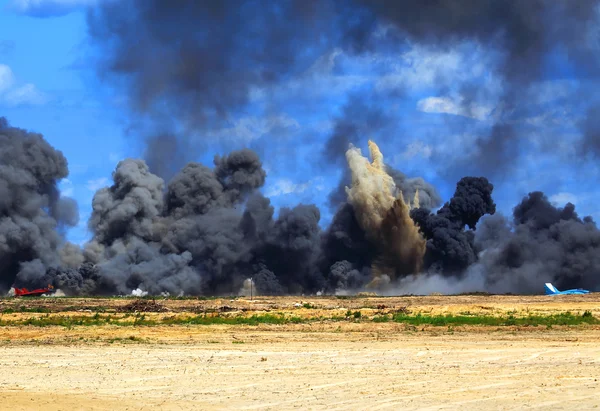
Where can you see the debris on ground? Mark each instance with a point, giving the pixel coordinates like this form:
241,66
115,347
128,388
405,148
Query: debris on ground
143,306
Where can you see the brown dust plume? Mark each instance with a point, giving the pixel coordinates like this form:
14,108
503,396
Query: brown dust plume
384,216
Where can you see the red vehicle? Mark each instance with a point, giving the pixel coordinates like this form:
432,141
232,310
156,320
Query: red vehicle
24,292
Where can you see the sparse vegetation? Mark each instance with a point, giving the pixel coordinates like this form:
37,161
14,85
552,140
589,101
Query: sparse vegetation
418,319
26,309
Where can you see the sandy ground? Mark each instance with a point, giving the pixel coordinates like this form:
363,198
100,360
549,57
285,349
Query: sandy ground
474,371
306,366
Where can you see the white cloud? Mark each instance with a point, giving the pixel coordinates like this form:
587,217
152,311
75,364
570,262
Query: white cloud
418,69
285,186
48,8
25,95
426,68
248,129
325,63
416,149
562,198
78,168
13,94
96,184
114,158
445,147
84,216
66,188
552,90
7,79
320,80
267,167
450,106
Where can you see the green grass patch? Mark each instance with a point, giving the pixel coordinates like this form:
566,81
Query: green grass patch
46,309
419,319
566,318
25,309
140,320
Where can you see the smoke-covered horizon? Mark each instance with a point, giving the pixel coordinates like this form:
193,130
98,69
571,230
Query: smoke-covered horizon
208,231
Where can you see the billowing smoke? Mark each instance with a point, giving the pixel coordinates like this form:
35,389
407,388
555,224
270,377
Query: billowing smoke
450,248
210,230
32,211
416,189
542,243
205,232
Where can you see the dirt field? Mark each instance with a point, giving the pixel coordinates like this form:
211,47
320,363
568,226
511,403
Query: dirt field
317,365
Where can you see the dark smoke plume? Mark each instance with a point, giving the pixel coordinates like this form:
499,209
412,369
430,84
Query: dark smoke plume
211,231
208,232
450,248
543,244
267,283
32,212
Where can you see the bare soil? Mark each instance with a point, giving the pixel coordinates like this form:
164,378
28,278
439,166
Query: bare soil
334,366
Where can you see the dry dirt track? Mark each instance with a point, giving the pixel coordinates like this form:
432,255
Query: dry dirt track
335,366
474,371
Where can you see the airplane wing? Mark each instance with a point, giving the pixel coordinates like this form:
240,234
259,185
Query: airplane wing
552,290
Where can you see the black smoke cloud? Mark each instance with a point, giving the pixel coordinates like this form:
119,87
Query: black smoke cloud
204,233
543,243
210,229
32,212
450,248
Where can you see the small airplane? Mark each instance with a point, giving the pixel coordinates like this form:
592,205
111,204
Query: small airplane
552,290
24,292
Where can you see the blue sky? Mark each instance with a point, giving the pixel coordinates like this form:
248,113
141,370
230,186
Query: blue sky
48,86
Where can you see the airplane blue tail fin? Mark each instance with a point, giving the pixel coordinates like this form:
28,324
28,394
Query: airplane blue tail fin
550,289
